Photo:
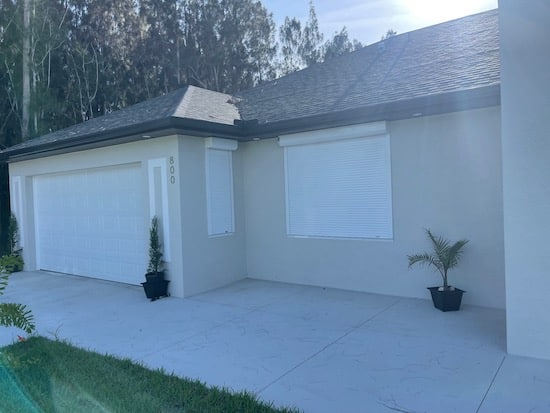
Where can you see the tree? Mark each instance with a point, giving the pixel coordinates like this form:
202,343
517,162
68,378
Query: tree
100,52
67,61
32,32
310,50
10,74
26,70
340,44
158,51
48,35
389,34
300,47
290,36
229,44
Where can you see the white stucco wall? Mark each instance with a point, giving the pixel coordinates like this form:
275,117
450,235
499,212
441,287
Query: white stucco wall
195,261
209,262
138,152
446,176
525,94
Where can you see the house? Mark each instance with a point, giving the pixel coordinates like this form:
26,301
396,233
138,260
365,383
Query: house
324,177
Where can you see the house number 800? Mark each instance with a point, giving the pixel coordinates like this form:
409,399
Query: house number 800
172,170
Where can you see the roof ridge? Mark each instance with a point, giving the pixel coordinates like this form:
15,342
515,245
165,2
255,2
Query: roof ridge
433,26
183,102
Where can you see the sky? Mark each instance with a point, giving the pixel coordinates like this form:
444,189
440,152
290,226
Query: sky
368,20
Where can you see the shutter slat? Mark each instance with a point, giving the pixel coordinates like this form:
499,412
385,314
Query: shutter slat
219,189
340,189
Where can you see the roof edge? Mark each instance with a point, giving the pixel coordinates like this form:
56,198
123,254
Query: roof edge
142,131
251,130
449,102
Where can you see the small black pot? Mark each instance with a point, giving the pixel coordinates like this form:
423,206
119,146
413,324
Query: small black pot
446,300
156,288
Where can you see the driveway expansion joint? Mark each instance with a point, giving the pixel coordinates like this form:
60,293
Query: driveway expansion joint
332,343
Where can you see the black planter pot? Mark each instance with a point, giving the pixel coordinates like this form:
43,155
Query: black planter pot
446,300
155,288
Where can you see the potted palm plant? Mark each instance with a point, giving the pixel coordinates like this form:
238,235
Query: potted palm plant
155,285
444,257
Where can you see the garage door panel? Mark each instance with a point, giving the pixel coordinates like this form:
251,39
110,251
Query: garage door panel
92,222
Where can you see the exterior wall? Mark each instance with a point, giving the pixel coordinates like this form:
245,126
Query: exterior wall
195,261
209,262
21,175
526,174
446,176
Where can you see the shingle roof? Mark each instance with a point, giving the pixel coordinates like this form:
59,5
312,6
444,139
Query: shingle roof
441,63
458,55
207,105
186,103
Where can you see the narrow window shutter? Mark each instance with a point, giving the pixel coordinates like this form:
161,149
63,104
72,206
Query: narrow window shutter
219,189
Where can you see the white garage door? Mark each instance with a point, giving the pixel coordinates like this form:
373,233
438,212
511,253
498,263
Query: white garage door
92,222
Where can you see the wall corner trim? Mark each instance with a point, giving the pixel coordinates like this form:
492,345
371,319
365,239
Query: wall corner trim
160,194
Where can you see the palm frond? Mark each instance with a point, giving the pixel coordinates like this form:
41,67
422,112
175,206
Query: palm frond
17,315
455,252
3,282
425,259
444,256
440,246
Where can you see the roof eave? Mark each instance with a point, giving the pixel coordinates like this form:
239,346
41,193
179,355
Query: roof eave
435,104
137,132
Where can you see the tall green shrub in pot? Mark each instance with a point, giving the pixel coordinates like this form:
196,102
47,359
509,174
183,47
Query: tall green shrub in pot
156,263
155,285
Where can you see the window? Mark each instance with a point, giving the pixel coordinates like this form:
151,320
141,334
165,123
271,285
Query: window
219,186
338,183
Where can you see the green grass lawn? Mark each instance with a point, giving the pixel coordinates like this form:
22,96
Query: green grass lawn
40,375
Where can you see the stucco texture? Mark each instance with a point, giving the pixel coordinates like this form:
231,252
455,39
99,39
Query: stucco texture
194,261
446,176
525,59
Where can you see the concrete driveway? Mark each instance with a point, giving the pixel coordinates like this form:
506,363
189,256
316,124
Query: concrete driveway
321,350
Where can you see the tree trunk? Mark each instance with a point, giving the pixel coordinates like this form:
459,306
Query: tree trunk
26,101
